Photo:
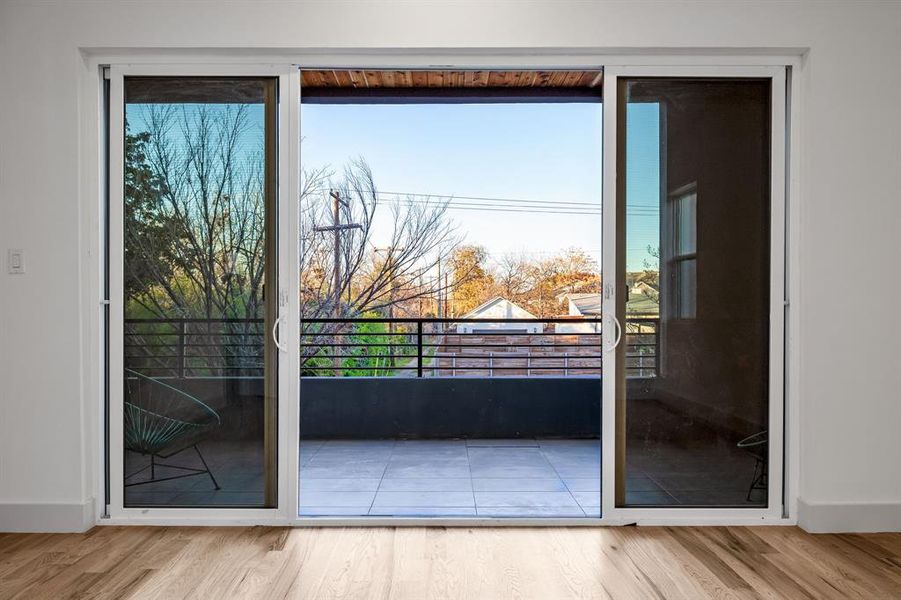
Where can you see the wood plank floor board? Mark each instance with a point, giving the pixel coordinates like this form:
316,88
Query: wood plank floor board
446,563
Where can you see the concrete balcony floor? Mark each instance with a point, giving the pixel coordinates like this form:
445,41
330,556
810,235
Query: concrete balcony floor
451,478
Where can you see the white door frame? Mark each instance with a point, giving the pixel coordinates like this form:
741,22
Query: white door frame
615,65
288,261
665,515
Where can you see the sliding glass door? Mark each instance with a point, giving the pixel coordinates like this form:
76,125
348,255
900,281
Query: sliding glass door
197,226
697,244
216,313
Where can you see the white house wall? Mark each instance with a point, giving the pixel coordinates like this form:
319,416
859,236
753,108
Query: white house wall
848,212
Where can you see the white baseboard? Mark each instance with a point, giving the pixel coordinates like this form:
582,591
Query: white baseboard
848,517
46,517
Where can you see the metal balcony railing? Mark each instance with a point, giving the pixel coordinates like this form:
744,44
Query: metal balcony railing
400,347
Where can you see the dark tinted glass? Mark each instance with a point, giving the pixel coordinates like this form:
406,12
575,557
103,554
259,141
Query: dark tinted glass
697,250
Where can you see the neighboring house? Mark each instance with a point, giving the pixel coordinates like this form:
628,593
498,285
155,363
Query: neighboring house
641,302
582,305
499,308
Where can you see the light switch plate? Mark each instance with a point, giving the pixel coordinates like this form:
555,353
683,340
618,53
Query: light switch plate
15,259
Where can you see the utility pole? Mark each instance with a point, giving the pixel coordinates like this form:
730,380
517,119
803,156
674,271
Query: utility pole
337,228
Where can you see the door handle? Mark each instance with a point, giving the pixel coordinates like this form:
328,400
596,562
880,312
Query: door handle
275,335
619,334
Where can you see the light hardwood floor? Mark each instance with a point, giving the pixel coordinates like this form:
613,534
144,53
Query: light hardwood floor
420,563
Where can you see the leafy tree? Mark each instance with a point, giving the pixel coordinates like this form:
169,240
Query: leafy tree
474,284
150,234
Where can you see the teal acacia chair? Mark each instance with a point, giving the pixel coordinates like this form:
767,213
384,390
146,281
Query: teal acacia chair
162,421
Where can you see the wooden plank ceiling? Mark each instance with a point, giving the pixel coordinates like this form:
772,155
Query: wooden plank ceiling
356,79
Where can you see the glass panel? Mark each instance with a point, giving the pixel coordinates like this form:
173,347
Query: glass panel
450,301
697,239
685,234
199,381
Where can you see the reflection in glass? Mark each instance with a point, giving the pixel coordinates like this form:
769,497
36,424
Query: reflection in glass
697,212
199,394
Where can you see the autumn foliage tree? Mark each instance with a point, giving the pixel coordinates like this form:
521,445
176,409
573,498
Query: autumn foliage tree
536,284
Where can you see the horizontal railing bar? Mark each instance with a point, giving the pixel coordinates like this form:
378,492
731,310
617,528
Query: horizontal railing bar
457,368
387,343
195,357
172,344
469,335
542,352
192,333
466,357
563,319
449,320
510,345
360,345
195,320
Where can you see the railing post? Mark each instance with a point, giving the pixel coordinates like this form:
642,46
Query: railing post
566,364
181,349
419,356
491,364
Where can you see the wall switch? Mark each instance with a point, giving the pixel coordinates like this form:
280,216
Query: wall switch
16,262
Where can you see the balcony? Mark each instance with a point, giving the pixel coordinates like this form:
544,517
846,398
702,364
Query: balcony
426,417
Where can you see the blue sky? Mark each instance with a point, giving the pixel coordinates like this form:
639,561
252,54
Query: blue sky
549,153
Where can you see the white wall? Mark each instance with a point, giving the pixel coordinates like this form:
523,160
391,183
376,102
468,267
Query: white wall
850,209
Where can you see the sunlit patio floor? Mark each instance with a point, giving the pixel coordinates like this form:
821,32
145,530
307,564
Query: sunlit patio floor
452,478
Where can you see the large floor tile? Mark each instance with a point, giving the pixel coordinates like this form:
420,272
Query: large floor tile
333,498
583,484
427,499
423,469
530,511
353,484
342,471
423,511
584,499
508,484
334,511
520,499
426,484
502,443
537,471
505,455
577,472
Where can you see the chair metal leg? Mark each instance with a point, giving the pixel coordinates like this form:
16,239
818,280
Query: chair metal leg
191,471
759,482
210,473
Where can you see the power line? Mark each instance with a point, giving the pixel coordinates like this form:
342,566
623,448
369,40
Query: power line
489,204
452,197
